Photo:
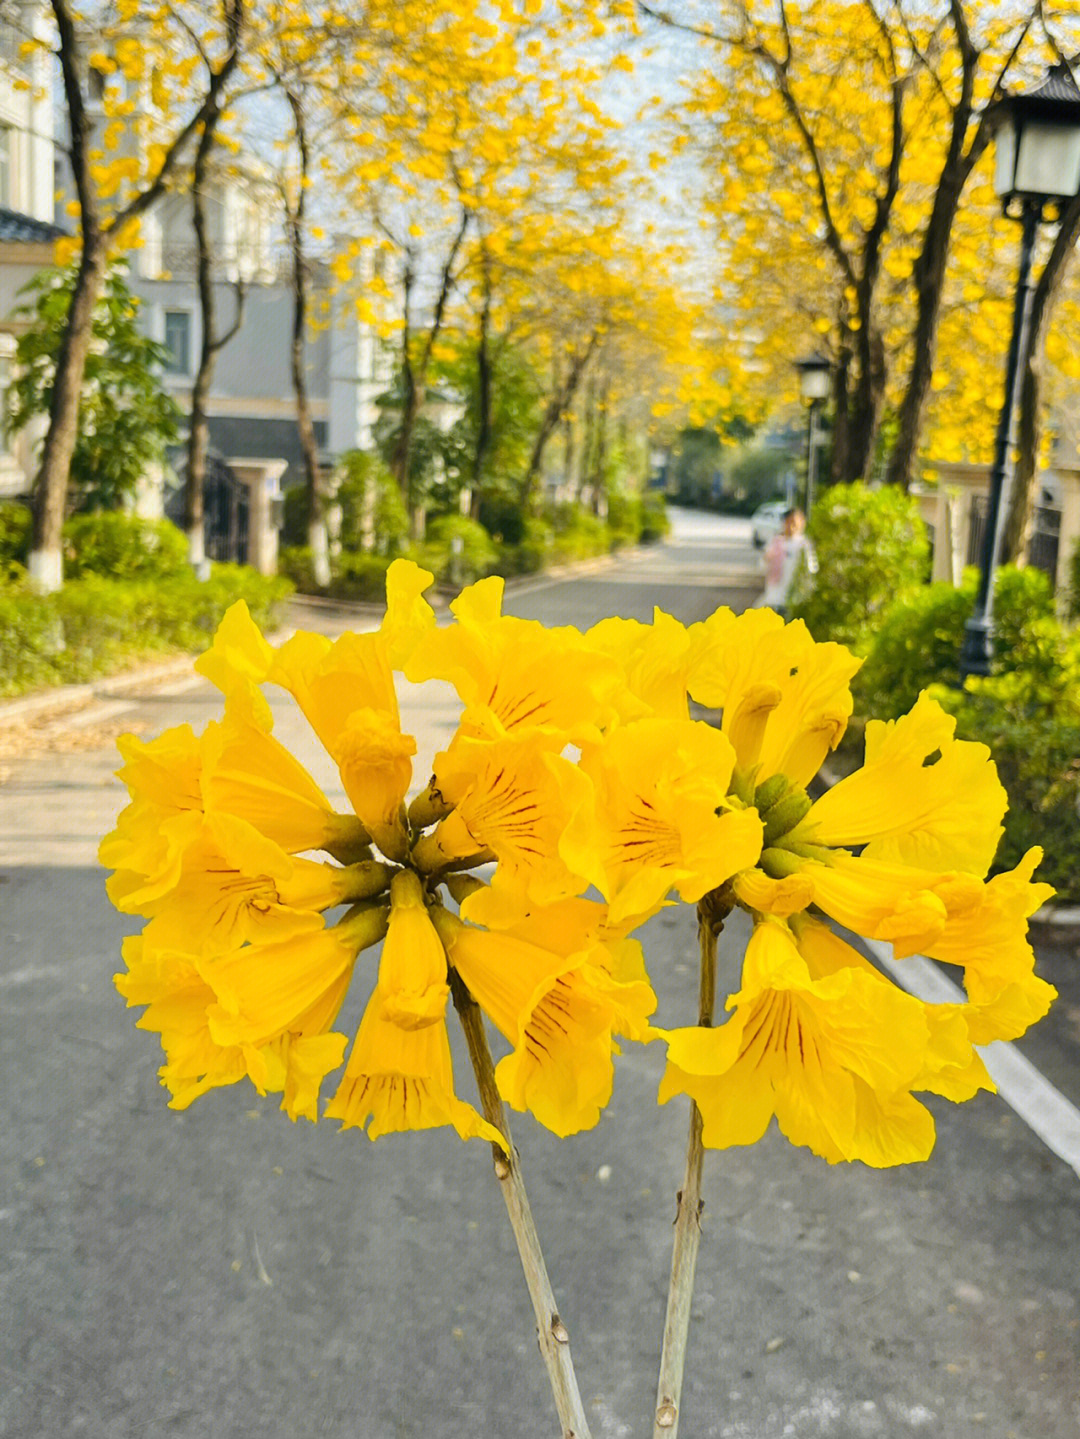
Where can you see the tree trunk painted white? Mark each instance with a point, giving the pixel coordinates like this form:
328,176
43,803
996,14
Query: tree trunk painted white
45,569
319,542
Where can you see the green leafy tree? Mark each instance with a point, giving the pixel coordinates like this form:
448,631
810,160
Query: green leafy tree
126,419
498,425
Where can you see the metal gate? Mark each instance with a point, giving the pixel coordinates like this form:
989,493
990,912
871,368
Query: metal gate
1042,547
225,502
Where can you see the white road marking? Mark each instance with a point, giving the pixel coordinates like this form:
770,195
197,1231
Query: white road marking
1042,1107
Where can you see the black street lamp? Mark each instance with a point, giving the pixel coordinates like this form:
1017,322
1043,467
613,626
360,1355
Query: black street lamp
815,377
1037,163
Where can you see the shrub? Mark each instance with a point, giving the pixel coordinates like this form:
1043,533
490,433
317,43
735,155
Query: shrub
120,546
1028,710
367,484
1038,759
352,576
655,521
532,552
295,563
577,533
16,523
871,548
918,640
457,550
503,518
94,625
623,520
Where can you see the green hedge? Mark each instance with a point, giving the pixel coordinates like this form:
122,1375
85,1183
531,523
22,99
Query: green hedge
1038,758
919,638
353,576
94,626
1027,711
872,548
120,546
457,550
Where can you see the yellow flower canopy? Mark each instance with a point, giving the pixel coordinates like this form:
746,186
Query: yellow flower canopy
579,781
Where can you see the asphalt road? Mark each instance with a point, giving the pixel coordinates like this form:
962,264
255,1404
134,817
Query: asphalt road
221,1273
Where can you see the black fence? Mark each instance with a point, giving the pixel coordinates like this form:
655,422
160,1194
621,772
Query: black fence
225,512
1042,547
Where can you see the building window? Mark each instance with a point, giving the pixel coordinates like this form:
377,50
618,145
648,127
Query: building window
178,342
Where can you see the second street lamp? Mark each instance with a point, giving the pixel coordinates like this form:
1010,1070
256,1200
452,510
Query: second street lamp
815,377
1038,162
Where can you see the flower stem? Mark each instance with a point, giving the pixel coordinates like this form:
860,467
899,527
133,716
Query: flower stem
551,1332
711,916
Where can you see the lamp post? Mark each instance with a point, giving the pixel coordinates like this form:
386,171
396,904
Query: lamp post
1037,162
815,377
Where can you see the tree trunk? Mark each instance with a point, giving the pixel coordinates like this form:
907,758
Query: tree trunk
932,261
199,431
584,476
552,414
318,537
410,396
415,377
841,438
599,474
484,385
929,278
51,483
46,564
866,406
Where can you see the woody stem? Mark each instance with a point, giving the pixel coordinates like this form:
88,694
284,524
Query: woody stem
690,1206
551,1332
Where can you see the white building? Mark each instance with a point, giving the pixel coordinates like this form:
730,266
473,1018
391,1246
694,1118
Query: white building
27,232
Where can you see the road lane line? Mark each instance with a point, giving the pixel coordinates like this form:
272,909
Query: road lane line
1042,1107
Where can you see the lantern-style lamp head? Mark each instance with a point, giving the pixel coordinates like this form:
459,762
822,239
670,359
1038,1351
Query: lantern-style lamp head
814,377
1038,145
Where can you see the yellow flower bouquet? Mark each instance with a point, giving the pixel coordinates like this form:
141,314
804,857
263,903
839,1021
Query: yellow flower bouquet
577,798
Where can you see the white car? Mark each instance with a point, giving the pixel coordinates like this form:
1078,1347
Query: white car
766,521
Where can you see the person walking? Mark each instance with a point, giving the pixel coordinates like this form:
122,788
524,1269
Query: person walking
786,555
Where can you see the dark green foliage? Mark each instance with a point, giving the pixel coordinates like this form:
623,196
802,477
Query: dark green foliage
1074,583
503,518
696,464
119,546
516,402
756,473
16,523
126,419
94,626
872,549
294,523
655,523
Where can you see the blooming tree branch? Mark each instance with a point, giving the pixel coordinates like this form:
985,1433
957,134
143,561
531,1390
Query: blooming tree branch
711,914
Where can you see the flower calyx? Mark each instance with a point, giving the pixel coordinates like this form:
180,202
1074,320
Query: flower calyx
786,840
